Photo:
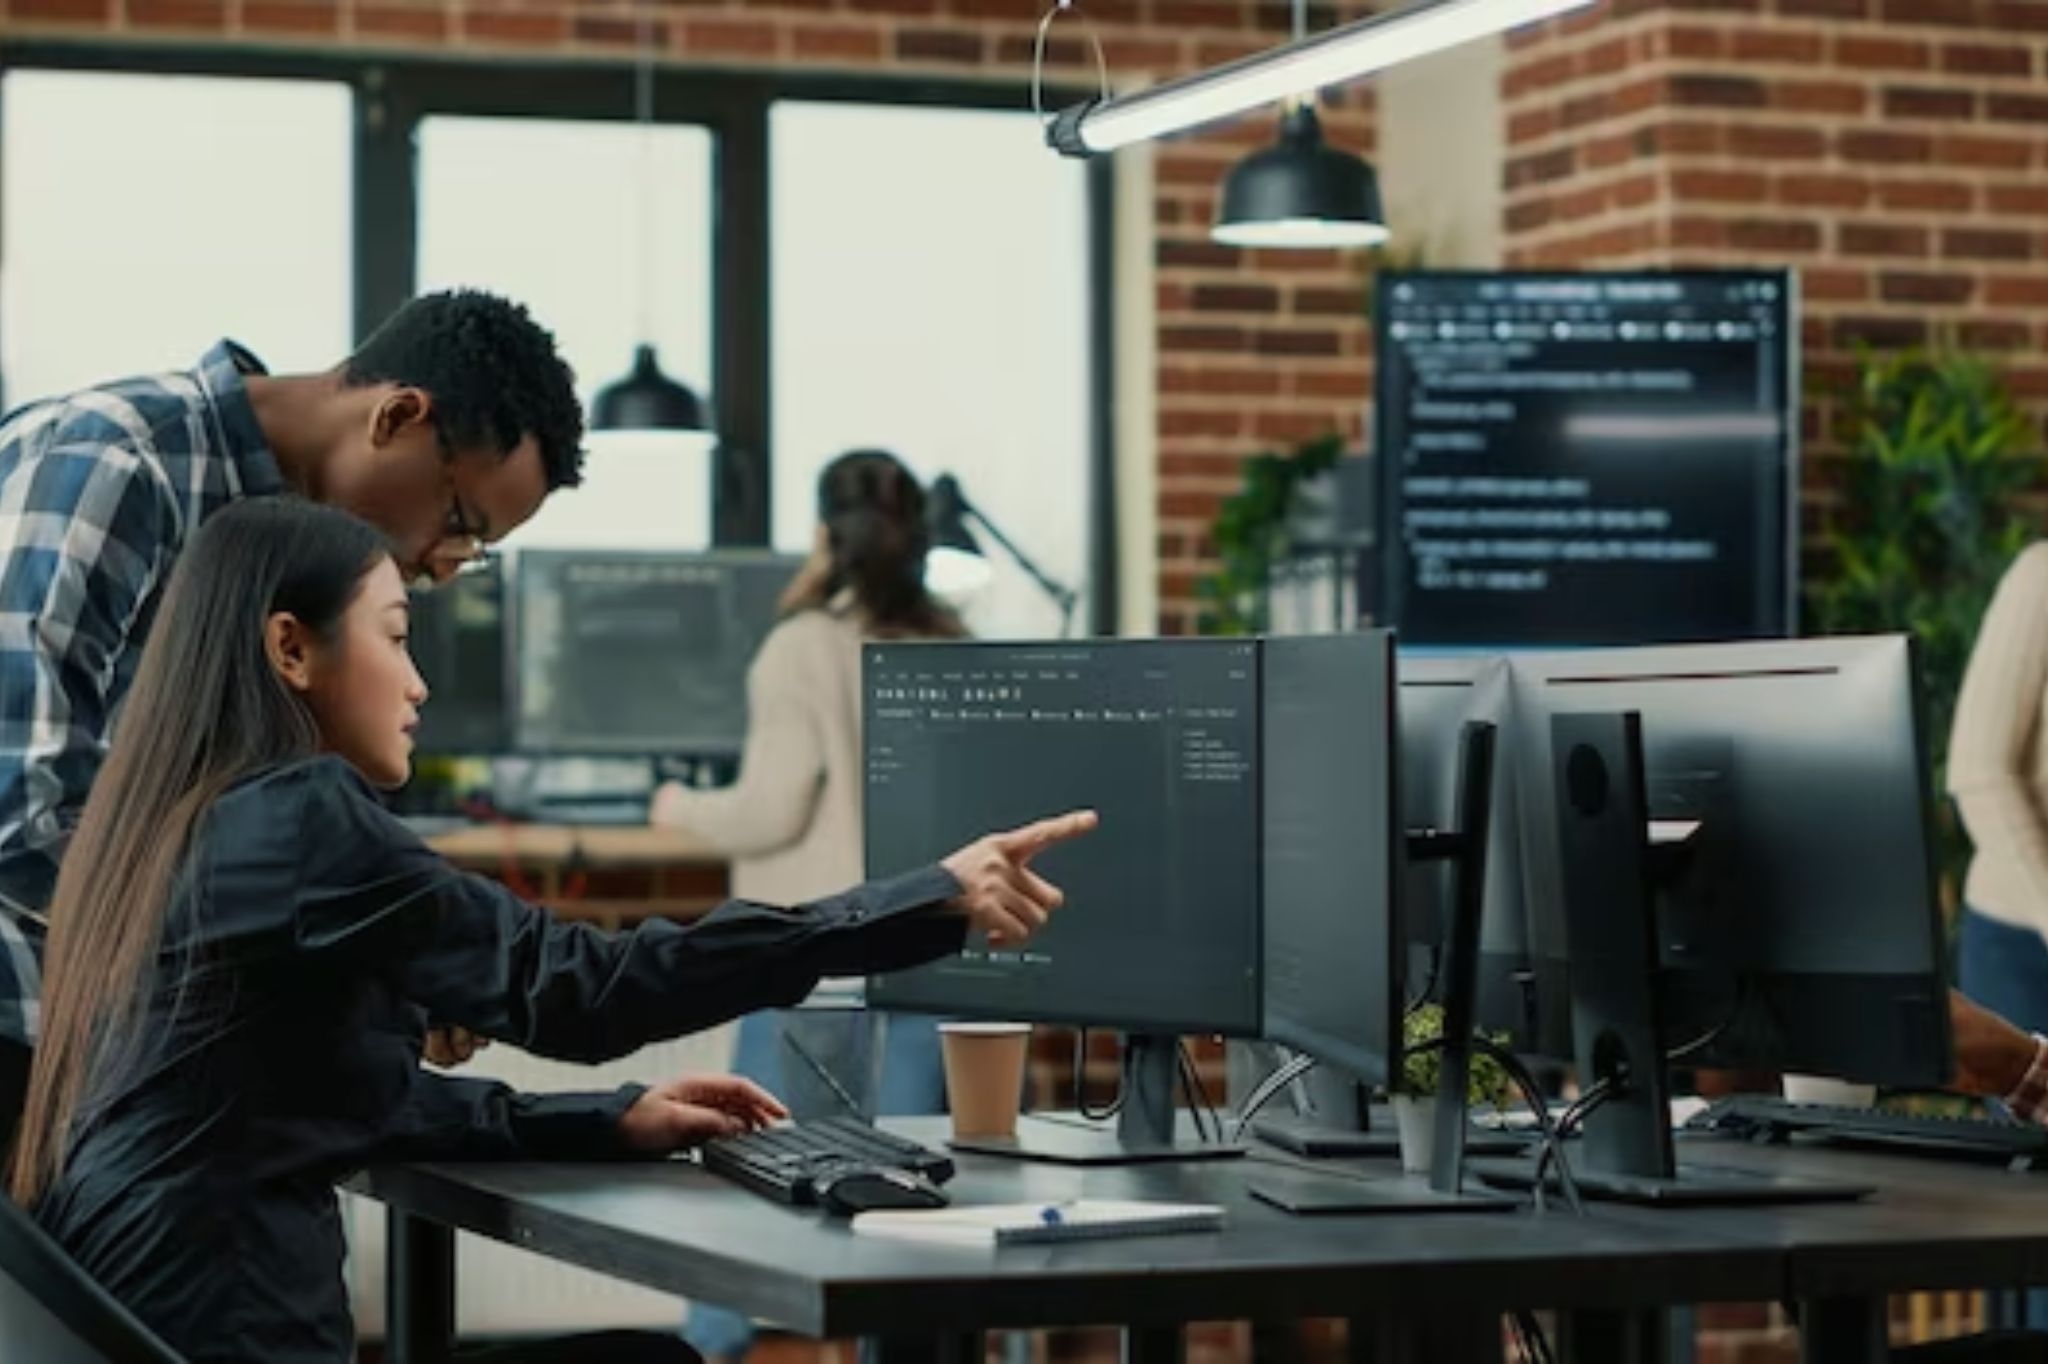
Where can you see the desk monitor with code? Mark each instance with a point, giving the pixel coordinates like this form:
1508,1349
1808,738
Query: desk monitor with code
1171,906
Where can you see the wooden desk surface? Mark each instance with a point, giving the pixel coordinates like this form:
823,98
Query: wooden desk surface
484,847
611,875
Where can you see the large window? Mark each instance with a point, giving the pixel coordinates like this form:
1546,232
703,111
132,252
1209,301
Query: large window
604,231
931,297
143,217
834,263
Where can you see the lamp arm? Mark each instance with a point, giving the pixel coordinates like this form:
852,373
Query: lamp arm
1063,596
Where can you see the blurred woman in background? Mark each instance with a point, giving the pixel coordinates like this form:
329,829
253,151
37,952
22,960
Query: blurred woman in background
792,821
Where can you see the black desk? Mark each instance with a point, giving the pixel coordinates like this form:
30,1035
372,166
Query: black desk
1934,1224
1424,1281
1431,1286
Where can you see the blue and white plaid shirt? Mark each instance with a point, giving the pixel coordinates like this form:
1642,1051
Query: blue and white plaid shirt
98,491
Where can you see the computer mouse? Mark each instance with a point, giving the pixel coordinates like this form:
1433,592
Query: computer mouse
867,1188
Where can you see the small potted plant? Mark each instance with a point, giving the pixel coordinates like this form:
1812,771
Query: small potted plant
1414,1094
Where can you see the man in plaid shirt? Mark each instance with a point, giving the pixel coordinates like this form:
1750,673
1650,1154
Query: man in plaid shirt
445,429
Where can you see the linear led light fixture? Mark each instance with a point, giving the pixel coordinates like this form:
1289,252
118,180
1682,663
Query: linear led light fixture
1329,58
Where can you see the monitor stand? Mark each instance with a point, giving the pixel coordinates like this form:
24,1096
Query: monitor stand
1375,1137
1145,1131
1339,1124
1445,1189
1610,919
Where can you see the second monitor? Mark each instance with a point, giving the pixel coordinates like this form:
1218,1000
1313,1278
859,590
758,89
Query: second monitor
458,641
639,653
1798,923
1729,858
1439,696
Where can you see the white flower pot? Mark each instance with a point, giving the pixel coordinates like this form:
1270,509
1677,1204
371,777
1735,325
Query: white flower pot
1415,1120
1821,1089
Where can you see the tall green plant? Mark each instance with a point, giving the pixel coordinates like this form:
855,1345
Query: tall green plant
1251,534
1939,452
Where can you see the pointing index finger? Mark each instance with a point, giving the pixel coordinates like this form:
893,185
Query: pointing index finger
1026,843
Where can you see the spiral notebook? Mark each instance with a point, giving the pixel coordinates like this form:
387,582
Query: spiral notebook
1011,1224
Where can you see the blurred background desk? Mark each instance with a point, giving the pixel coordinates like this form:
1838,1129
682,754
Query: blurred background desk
608,875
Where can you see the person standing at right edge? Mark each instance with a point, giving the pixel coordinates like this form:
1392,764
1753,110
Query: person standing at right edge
1998,776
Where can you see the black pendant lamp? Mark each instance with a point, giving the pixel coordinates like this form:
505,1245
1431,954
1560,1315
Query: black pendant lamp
1300,193
646,399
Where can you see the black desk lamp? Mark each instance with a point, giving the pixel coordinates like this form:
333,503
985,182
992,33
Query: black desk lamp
946,513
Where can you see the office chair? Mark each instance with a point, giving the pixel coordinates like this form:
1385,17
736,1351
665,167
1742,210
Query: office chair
53,1313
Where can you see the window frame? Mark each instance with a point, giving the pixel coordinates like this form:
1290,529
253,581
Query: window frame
393,93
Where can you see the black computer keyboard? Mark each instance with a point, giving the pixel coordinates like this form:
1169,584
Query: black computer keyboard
783,1163
1981,1138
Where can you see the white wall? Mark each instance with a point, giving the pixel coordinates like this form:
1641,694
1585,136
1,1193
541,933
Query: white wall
1442,145
130,240
930,297
603,230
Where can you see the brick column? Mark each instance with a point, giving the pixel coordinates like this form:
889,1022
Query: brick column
1894,151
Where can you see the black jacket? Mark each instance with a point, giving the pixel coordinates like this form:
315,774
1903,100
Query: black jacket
307,939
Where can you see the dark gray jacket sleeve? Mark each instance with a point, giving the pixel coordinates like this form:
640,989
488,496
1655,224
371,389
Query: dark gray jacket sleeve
447,1118
471,953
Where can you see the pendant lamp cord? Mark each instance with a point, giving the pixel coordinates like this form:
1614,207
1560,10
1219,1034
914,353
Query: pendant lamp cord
1305,98
643,114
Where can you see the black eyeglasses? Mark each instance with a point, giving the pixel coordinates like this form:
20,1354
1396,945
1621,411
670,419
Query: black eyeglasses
456,525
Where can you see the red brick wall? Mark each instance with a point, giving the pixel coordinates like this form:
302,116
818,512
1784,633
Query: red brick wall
1895,151
1254,348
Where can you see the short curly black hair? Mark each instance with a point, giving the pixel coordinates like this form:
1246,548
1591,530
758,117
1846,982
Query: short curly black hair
492,371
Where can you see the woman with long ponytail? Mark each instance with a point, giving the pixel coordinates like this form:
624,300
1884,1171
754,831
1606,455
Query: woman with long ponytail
245,948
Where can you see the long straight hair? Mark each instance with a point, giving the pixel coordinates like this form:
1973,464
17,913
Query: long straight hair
206,710
873,511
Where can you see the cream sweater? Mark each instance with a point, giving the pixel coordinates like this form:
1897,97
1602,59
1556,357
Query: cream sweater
1998,750
792,822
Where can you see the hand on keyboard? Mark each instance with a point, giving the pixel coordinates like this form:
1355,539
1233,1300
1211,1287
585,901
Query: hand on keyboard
1765,1117
791,1162
1992,1056
696,1109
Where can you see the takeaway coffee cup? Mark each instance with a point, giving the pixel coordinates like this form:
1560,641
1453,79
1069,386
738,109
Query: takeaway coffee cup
984,1075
